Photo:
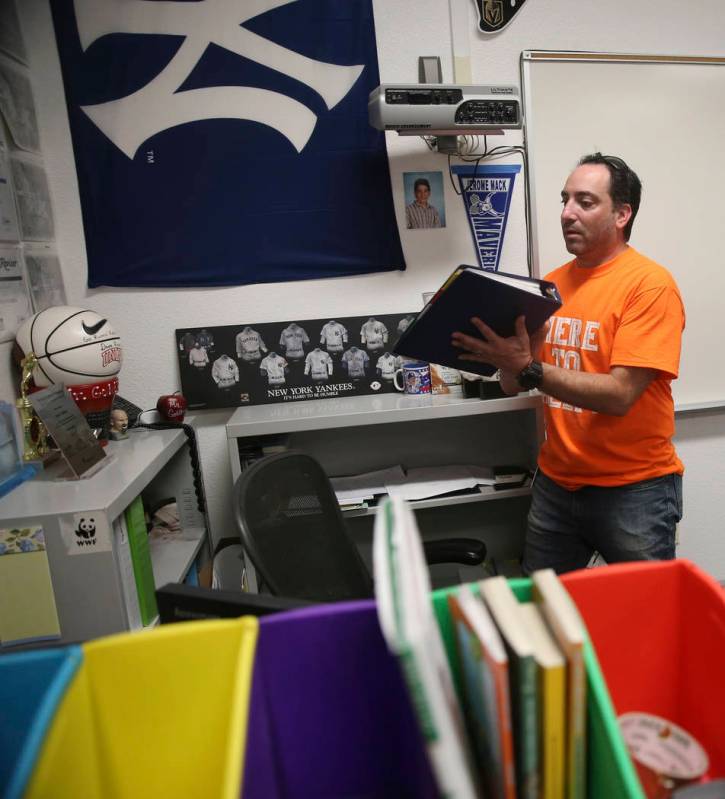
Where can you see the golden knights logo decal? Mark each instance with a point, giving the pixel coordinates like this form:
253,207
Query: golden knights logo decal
495,15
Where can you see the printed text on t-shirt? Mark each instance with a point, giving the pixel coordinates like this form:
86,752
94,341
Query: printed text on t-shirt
569,336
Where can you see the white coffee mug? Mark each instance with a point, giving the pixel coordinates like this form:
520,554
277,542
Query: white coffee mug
413,378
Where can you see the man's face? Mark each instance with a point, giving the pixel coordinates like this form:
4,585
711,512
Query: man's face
119,421
422,193
593,228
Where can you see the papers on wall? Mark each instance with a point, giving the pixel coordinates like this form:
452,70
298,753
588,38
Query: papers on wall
17,107
25,206
33,198
45,281
14,299
11,41
9,230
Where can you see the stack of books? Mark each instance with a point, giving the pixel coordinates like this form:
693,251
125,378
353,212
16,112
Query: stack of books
517,728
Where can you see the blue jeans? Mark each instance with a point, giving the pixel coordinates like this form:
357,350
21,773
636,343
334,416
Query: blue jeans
623,523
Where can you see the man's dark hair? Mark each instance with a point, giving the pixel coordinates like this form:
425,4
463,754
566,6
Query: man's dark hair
625,188
421,182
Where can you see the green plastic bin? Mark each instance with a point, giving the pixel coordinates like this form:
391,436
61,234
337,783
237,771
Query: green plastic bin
610,771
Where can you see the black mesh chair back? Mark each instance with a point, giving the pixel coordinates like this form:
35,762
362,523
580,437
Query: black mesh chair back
293,531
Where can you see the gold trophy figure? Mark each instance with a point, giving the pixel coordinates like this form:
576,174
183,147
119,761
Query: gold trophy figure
35,436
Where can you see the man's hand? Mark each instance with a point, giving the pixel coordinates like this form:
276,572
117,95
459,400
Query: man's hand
510,355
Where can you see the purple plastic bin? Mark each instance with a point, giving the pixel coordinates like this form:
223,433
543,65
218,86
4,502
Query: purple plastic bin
330,714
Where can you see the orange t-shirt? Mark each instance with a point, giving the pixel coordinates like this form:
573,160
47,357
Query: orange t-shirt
627,312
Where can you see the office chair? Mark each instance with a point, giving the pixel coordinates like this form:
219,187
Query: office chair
293,531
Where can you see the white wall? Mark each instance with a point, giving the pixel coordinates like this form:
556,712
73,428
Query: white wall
146,319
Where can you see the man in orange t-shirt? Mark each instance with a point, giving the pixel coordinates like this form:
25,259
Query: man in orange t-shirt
609,479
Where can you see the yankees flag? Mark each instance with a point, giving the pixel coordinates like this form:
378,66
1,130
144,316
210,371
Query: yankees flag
226,143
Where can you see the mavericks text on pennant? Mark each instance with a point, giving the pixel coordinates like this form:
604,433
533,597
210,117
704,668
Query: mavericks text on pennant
486,192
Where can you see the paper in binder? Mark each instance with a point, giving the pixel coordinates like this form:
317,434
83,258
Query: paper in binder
402,591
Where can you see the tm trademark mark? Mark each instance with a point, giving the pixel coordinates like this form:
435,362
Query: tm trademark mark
150,157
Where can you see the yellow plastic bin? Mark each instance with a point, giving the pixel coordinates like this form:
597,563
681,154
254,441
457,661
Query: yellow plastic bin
160,713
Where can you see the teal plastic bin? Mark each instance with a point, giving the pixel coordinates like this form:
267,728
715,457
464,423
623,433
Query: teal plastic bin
31,686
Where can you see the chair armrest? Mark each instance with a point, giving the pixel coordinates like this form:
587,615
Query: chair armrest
469,551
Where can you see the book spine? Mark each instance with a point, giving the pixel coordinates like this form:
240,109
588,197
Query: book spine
577,728
126,575
141,556
528,746
553,726
508,760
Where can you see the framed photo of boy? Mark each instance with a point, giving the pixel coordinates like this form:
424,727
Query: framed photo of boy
424,200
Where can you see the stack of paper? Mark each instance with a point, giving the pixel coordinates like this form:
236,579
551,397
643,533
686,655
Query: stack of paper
435,481
424,482
358,489
402,588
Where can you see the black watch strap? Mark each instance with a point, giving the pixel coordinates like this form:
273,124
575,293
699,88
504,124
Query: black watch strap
531,376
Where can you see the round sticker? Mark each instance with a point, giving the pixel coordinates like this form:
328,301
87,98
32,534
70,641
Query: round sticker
662,746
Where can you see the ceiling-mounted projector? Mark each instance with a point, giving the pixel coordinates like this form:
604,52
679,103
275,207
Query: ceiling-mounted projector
438,109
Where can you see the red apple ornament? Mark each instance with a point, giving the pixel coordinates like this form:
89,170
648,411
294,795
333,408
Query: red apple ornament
172,407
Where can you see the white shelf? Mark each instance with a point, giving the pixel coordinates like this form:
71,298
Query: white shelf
172,559
88,586
355,411
130,465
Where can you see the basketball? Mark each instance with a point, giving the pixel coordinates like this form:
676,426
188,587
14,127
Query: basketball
74,346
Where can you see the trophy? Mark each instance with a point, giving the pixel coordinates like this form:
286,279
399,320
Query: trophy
35,436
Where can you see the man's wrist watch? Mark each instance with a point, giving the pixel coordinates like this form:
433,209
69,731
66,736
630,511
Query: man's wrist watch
531,376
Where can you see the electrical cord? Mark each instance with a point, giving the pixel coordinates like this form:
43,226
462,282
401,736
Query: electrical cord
193,454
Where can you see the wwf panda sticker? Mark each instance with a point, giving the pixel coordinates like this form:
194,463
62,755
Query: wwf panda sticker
495,15
87,532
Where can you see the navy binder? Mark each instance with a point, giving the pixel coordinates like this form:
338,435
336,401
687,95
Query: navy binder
497,298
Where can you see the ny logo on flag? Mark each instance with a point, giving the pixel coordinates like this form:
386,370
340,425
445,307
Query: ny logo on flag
218,142
157,106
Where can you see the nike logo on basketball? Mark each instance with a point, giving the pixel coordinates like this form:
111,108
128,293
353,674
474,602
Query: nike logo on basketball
91,330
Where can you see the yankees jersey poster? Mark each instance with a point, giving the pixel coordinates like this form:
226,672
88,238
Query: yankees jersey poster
226,142
256,364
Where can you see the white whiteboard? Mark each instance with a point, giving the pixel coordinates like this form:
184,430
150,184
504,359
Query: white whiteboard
666,117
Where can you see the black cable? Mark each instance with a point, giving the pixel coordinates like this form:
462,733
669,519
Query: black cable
193,455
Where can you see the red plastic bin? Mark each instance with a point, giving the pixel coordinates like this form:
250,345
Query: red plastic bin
659,632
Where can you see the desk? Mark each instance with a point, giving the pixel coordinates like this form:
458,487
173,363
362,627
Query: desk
359,434
87,587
